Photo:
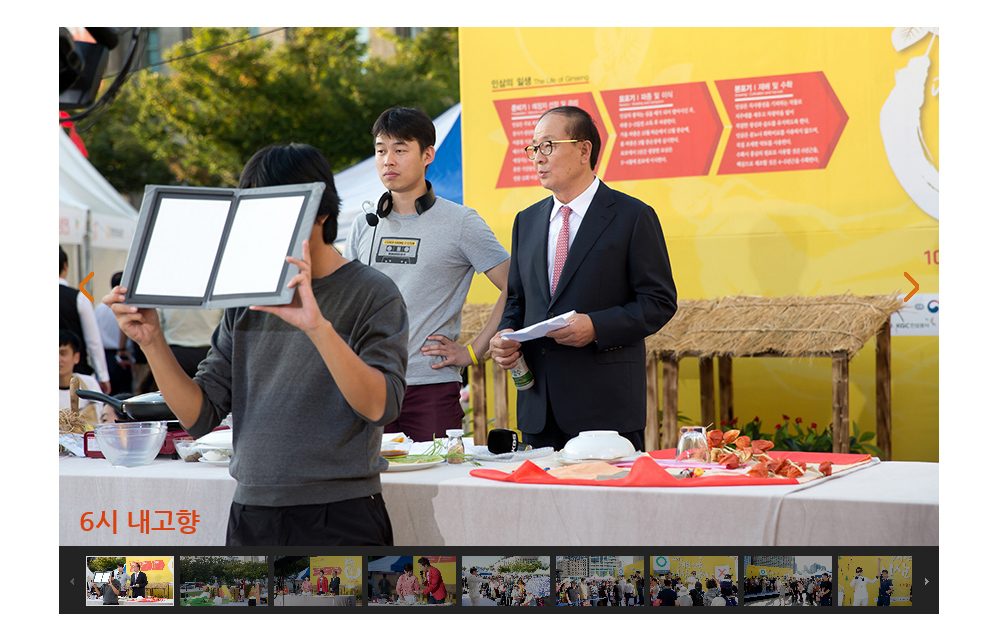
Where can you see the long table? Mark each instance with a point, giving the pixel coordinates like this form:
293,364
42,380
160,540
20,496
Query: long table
887,504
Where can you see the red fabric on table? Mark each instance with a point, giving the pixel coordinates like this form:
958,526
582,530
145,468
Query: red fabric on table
646,473
797,456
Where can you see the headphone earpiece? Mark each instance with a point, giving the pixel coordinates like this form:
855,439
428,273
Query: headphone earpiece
422,204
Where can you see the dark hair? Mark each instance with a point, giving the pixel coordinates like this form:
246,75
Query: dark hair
580,126
697,585
424,561
63,259
406,124
282,164
116,279
408,566
69,338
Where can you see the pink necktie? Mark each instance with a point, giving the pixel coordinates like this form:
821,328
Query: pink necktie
562,247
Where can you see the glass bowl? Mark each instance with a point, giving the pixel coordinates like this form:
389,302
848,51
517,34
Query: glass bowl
130,444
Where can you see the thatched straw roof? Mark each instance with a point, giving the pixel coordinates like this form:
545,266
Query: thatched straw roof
474,317
734,326
793,326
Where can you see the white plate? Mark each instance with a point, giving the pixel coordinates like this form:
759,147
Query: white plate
413,466
560,458
215,463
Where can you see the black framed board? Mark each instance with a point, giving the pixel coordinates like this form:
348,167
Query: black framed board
218,247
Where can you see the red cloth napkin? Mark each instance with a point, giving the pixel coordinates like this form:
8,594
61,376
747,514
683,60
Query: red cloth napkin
646,473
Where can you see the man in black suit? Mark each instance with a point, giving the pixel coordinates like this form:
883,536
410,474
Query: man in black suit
601,253
138,582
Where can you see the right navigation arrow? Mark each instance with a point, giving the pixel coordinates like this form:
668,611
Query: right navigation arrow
926,581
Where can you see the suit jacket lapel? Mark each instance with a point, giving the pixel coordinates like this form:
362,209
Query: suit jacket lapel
598,216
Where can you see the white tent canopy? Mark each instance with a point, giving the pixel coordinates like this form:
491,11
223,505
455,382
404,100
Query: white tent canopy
93,217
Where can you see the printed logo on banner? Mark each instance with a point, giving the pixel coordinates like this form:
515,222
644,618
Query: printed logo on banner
921,316
397,250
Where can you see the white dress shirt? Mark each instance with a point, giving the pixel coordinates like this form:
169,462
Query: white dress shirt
579,206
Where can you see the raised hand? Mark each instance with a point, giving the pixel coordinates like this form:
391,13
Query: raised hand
142,325
302,312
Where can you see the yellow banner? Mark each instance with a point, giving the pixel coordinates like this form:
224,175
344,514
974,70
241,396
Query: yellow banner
158,569
348,568
900,571
768,571
443,563
705,566
779,161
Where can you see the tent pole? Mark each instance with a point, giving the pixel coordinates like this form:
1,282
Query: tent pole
87,258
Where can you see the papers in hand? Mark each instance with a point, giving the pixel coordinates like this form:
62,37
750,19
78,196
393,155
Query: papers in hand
539,330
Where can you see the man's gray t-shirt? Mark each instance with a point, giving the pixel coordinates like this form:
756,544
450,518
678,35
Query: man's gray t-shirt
431,258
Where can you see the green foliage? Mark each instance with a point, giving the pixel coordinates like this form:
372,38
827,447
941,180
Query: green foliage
523,566
213,568
97,564
791,435
201,122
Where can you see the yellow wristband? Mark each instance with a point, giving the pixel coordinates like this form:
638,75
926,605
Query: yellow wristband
475,361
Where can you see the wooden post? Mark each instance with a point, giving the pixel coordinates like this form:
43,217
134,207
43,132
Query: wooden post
668,429
841,424
652,421
477,395
705,369
726,389
501,418
883,390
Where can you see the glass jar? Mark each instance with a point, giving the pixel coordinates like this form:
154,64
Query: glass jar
693,444
455,445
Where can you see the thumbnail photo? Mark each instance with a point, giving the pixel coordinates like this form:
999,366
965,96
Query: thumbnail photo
600,580
130,581
215,580
412,580
700,580
319,580
787,580
496,580
875,581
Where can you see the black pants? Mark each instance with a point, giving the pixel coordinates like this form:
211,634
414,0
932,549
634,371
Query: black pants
357,522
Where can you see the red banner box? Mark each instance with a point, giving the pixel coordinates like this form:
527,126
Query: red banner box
662,131
519,117
780,122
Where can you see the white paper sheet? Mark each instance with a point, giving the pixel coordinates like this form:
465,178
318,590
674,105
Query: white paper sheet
538,330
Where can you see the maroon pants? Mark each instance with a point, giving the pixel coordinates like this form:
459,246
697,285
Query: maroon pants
429,410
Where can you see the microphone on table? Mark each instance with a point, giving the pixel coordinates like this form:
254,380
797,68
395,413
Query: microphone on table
504,441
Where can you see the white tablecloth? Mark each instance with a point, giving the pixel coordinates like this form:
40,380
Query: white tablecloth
315,600
444,506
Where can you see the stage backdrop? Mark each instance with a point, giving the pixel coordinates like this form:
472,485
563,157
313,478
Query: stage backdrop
900,572
780,161
347,567
705,567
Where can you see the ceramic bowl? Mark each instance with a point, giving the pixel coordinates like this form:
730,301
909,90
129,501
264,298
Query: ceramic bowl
598,445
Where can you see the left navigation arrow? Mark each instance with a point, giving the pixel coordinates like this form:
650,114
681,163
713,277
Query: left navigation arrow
83,283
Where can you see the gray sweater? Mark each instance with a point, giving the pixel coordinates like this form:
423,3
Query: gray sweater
296,440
